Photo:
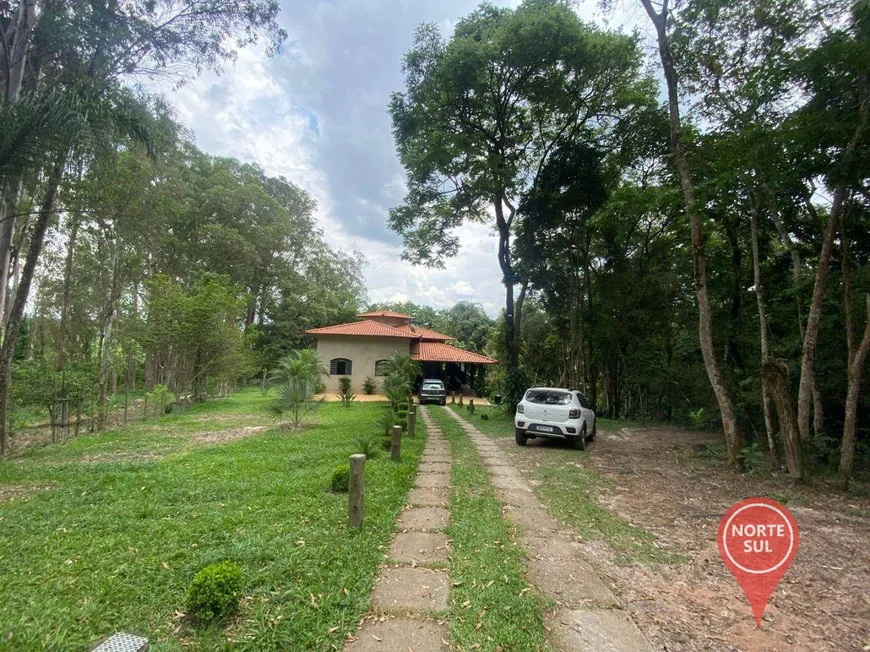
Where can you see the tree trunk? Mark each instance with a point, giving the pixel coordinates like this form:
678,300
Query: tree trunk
776,375
67,287
814,318
785,238
856,364
37,238
106,334
18,42
735,348
844,169
504,261
762,324
733,437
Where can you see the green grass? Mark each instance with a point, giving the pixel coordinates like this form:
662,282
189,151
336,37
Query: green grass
570,491
491,605
129,516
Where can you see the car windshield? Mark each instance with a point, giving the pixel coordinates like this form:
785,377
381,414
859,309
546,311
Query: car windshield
437,385
548,397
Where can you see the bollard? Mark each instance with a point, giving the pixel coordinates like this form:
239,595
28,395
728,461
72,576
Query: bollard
453,397
460,400
356,500
396,448
412,421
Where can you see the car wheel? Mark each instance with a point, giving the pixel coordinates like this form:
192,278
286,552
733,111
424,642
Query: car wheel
521,437
594,431
443,402
580,440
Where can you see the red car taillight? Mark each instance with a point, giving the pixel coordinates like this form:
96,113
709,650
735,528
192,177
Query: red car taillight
520,408
574,413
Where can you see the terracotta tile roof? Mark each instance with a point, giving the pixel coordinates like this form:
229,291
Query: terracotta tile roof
384,313
423,333
440,352
366,327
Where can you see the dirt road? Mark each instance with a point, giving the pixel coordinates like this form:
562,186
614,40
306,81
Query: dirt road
662,482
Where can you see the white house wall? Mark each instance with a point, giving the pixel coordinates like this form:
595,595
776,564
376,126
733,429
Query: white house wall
363,352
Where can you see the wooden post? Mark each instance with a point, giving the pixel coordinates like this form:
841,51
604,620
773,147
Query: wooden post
460,399
356,501
412,420
396,449
453,397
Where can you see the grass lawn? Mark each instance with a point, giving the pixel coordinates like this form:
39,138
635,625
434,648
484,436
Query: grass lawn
491,605
105,532
570,491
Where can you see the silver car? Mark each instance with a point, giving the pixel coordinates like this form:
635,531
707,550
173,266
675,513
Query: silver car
432,391
557,413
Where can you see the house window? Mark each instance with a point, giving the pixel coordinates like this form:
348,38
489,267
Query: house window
340,367
382,368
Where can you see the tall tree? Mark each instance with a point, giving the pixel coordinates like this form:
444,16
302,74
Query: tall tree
483,112
733,437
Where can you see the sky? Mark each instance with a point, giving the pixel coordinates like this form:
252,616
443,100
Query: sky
317,115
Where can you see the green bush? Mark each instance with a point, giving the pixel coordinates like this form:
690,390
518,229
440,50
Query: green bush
367,445
698,419
484,416
340,479
369,385
344,385
214,592
387,441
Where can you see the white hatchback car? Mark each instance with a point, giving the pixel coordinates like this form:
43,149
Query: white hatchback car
557,413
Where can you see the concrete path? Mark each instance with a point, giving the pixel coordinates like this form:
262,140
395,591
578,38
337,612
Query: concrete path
413,588
589,617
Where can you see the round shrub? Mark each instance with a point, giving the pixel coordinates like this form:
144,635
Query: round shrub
484,417
340,479
214,592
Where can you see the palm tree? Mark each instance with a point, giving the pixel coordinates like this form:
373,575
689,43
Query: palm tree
404,366
295,400
397,389
301,363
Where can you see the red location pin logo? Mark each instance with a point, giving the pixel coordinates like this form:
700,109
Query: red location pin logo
758,539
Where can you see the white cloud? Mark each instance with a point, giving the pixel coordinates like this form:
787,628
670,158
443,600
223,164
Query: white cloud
317,116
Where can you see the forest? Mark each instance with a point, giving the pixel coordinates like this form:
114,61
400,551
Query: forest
682,212
682,229
130,258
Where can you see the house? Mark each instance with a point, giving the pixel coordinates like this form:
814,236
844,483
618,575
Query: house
360,349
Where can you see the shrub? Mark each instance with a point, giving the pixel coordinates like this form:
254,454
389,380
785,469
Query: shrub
751,457
214,592
340,479
484,416
295,401
387,441
698,419
344,392
515,385
367,445
369,385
